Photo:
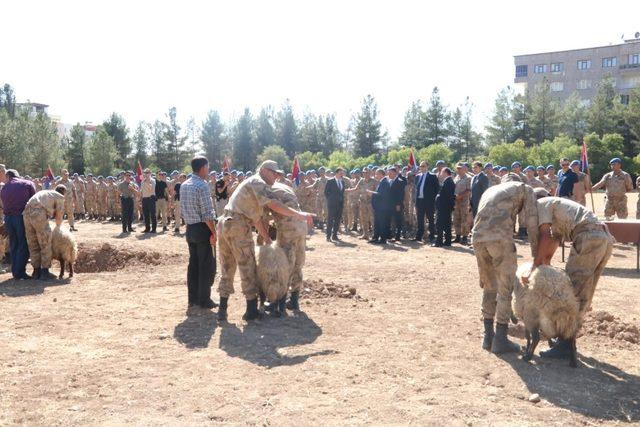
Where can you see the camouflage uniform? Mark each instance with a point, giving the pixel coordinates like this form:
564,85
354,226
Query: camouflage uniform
592,243
366,209
36,215
321,201
493,179
410,219
68,199
535,183
81,189
553,183
91,198
581,188
113,195
462,211
616,186
245,207
102,201
348,217
493,244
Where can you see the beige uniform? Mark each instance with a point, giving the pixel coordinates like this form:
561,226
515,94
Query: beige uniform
553,184
462,212
40,207
236,246
493,179
68,199
616,186
592,243
91,197
581,188
535,183
321,201
366,209
81,189
102,199
494,247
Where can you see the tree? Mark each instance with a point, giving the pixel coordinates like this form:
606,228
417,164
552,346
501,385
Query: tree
414,133
287,130
550,152
436,119
505,154
435,152
367,129
8,100
464,141
44,145
102,154
214,142
501,127
277,154
76,149
632,115
309,160
573,121
140,144
521,117
328,134
243,150
176,153
602,115
265,132
544,117
116,127
310,134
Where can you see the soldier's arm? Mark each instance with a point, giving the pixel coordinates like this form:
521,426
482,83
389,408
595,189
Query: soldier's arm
601,183
628,183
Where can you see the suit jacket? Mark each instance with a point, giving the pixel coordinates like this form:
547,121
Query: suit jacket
446,199
430,188
479,185
381,201
334,195
397,191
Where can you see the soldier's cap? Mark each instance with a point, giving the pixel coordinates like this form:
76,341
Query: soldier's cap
248,174
311,171
299,173
240,173
91,175
575,163
370,166
540,168
496,168
503,169
225,174
212,173
514,164
440,163
550,167
234,172
356,170
488,165
110,177
615,160
466,165
271,165
75,174
321,169
459,165
100,177
190,175
529,168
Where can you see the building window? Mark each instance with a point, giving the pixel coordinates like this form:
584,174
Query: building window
521,71
557,67
624,99
584,84
556,86
609,62
634,59
540,68
584,64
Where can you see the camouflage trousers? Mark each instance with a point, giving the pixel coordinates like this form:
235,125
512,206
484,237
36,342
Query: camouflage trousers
90,203
321,208
236,251
616,205
162,211
69,210
462,218
589,254
350,214
177,214
103,208
366,219
38,233
497,263
292,238
79,208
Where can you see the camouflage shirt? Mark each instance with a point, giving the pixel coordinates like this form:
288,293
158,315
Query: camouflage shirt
69,186
493,179
564,215
462,184
250,197
49,200
616,185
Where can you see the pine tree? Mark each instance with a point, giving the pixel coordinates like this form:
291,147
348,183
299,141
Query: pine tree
309,139
414,133
265,132
102,154
329,134
436,119
214,141
140,145
573,121
44,145
287,130
244,154
501,128
521,116
177,154
116,127
544,118
76,149
367,129
602,116
463,140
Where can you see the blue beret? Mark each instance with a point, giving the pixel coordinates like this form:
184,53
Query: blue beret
370,166
496,168
321,169
440,163
311,171
356,170
514,164
540,168
190,175
174,172
488,165
575,163
550,167
615,160
503,169
529,168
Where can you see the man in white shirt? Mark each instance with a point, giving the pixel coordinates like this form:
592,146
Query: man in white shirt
148,189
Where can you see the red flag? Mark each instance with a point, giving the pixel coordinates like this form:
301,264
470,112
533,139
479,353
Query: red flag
49,174
226,165
412,161
584,159
139,173
295,173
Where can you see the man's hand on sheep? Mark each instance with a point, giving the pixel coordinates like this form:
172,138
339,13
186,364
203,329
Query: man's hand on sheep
306,216
525,276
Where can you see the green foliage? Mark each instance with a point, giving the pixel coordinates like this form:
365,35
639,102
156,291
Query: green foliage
214,142
550,152
76,150
398,156
368,129
414,133
602,111
436,119
340,159
265,132
102,154
243,151
177,154
501,127
287,129
505,154
116,127
544,115
573,121
435,152
463,140
601,150
277,154
140,145
309,160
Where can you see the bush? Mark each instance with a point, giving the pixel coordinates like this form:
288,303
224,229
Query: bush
433,153
309,160
277,154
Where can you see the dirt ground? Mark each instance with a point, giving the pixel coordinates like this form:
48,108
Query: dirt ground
115,344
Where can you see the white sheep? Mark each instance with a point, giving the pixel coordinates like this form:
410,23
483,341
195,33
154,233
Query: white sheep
64,248
274,275
547,303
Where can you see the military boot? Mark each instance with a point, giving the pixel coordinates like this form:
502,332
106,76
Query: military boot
488,334
252,312
501,343
293,303
36,274
222,309
457,240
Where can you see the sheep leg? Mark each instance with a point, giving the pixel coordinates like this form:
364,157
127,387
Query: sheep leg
70,269
535,335
61,268
573,361
527,335
262,299
282,305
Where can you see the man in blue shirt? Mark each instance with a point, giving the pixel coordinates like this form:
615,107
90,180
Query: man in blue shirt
566,179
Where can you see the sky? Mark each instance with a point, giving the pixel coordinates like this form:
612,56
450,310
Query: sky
138,58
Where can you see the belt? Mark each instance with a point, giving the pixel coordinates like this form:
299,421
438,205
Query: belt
589,226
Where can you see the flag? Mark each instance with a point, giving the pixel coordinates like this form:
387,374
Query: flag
412,161
295,173
49,178
226,165
584,160
139,173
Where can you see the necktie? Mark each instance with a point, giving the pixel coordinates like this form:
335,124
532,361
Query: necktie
422,179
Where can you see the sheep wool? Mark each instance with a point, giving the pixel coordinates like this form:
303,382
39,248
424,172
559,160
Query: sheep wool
273,271
64,248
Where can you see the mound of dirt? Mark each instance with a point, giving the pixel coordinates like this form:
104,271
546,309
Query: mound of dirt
606,324
107,257
316,289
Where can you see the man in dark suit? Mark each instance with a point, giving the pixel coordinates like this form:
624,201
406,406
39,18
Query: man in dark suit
396,192
334,193
445,201
426,190
479,185
381,203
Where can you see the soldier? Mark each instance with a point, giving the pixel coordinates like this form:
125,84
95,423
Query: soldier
102,199
532,180
90,196
367,183
69,197
81,189
40,207
462,210
616,184
127,192
38,183
561,220
318,187
112,198
502,172
516,168
553,180
410,219
351,201
489,170
583,186
440,164
541,175
162,199
496,256
244,210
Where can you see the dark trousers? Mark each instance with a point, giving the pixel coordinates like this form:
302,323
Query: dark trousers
127,213
443,226
425,209
149,213
18,248
202,264
381,224
396,219
334,216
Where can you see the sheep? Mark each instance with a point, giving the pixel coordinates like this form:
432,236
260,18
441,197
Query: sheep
273,268
64,248
547,303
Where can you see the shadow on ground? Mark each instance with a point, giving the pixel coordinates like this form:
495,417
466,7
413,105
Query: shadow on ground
21,288
260,342
197,329
594,389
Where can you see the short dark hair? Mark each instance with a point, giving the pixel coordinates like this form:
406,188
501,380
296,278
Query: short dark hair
12,173
198,163
447,171
339,170
61,189
478,164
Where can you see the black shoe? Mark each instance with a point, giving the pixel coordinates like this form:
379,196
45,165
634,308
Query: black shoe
209,304
561,350
335,237
164,228
146,230
45,275
464,240
124,231
374,241
222,309
131,230
501,343
488,334
153,232
436,245
252,312
328,239
446,244
383,241
36,273
293,303
457,239
417,239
